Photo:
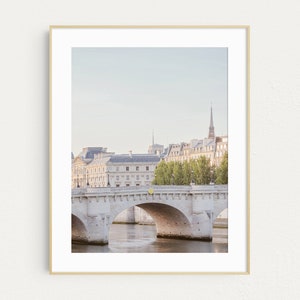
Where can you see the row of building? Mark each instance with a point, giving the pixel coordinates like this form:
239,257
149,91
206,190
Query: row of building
113,170
96,167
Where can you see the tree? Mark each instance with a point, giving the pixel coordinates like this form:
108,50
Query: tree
186,173
196,171
202,171
169,176
177,175
222,171
160,173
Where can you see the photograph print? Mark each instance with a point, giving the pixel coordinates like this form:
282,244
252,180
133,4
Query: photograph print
149,150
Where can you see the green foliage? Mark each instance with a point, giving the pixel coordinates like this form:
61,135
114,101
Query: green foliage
186,173
222,171
177,176
161,174
196,171
202,170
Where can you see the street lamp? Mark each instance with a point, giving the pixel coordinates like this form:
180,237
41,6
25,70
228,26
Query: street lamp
192,177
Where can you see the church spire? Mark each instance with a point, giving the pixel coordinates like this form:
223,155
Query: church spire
152,137
211,133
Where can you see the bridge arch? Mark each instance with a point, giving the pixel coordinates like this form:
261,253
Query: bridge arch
221,218
219,206
171,222
220,227
79,229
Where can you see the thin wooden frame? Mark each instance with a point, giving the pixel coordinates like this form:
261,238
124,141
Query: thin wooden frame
247,163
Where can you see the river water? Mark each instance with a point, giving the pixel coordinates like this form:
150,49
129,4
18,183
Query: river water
132,238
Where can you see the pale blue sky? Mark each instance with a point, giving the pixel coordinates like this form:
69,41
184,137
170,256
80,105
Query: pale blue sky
119,95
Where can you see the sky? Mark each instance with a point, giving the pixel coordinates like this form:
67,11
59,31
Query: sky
120,96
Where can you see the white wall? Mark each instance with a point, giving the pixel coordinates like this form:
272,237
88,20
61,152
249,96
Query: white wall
275,172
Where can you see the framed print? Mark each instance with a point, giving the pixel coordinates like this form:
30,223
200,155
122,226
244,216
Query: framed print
149,142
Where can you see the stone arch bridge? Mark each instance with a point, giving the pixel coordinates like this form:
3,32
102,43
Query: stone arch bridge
183,212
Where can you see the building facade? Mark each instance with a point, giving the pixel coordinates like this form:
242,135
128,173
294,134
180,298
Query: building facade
78,172
213,147
115,170
80,163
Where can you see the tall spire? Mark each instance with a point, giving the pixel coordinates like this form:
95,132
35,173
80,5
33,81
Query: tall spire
211,133
152,137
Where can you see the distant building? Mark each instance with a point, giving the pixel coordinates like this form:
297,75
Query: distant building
80,162
213,147
115,170
78,172
156,149
88,153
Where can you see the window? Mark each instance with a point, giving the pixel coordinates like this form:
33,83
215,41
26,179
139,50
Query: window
127,177
137,177
137,168
117,185
127,184
147,177
117,177
147,168
127,168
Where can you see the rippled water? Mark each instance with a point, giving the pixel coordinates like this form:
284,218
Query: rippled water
131,238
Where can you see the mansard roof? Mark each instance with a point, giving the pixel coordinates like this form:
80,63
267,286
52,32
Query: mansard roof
97,161
89,152
80,161
134,158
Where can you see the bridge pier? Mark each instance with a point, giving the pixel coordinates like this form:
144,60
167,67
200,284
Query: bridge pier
202,226
98,230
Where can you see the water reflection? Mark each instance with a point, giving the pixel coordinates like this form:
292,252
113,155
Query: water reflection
129,238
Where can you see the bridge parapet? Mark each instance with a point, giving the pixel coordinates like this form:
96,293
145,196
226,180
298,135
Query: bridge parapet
192,189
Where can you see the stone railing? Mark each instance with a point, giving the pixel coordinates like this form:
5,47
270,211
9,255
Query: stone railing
156,189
